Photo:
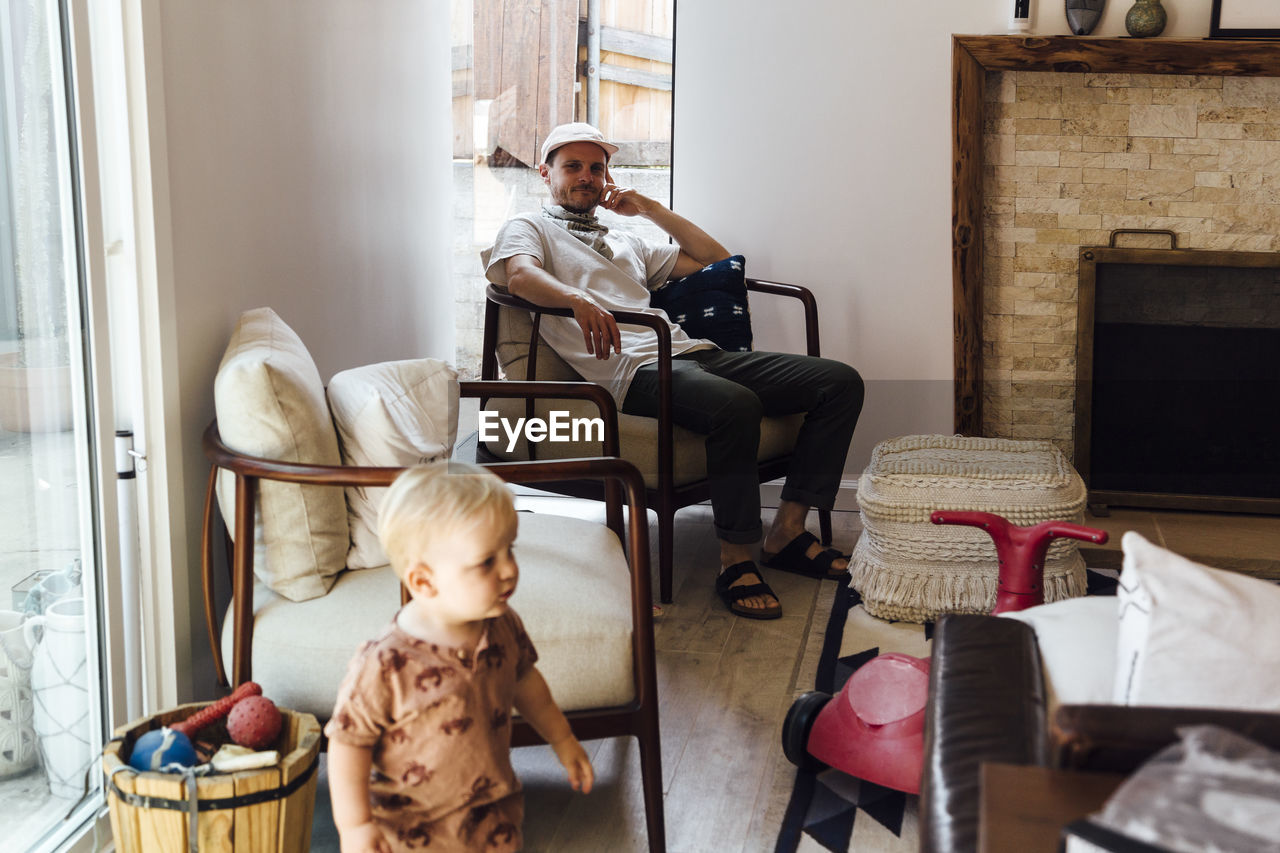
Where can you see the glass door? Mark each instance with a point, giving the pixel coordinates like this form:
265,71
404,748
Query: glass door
520,69
50,672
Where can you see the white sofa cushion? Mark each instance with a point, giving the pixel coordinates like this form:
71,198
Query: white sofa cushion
270,403
1077,640
1194,636
393,414
575,603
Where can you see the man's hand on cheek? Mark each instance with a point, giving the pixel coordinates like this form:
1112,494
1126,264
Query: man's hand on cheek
624,201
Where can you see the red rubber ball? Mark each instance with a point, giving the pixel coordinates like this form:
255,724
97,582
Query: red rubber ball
254,722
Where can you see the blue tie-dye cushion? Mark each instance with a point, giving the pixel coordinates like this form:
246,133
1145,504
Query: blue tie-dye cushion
710,303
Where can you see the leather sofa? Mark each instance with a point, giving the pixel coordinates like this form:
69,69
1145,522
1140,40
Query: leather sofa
990,701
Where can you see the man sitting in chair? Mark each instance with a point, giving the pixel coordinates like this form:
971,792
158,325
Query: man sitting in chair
563,257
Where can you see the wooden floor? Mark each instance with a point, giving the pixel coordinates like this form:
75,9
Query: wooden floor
1243,543
725,684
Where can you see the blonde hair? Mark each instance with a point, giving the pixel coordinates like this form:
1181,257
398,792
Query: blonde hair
430,500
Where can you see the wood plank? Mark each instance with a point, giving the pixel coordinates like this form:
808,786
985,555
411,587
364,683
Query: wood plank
682,680
124,818
612,817
1025,808
1213,57
733,743
161,829
969,82
298,809
547,794
557,60
633,77
645,45
215,828
256,826
487,56
518,121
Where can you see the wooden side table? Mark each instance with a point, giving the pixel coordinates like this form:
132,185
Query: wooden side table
1024,808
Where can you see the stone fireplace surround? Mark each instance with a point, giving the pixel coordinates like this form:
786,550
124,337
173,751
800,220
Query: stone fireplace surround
1059,141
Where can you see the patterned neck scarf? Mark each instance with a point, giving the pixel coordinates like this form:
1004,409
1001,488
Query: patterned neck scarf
584,226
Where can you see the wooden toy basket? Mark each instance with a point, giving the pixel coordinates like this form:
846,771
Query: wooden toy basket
249,811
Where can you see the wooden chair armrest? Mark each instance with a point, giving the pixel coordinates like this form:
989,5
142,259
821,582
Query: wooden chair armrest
504,297
805,295
1119,738
248,470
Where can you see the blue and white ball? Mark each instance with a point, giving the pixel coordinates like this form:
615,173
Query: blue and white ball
159,748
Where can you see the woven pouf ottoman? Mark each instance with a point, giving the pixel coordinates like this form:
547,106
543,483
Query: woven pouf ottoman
908,569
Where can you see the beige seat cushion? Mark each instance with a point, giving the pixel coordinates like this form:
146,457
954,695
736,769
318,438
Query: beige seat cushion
637,436
270,403
575,603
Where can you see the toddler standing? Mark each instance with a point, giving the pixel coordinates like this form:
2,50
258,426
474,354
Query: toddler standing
420,738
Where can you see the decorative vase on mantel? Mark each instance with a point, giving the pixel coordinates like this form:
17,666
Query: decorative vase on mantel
60,688
1083,15
1146,19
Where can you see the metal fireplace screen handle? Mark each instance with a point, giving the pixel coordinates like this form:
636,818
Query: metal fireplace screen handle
1173,238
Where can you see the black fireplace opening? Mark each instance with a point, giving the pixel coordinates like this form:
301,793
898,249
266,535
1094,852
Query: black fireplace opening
1185,386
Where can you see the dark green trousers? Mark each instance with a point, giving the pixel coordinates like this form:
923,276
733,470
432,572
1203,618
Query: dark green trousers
723,395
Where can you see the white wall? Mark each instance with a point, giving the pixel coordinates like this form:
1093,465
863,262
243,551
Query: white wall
301,153
816,140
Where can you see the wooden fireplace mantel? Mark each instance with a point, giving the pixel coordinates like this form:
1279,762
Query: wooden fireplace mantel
971,58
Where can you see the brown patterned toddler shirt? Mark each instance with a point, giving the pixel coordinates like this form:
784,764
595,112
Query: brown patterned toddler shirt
438,720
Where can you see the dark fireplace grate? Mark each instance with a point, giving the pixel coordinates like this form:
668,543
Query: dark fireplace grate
1178,391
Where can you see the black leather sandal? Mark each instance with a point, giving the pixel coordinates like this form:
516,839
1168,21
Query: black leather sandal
731,596
792,559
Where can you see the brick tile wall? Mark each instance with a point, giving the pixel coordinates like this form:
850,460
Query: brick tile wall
1069,157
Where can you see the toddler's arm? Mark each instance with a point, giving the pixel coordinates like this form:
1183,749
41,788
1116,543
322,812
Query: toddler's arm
349,790
533,701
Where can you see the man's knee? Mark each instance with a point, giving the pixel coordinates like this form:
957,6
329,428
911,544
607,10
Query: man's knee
737,409
844,384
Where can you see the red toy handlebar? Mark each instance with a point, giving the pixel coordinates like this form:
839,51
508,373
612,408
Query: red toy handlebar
1021,552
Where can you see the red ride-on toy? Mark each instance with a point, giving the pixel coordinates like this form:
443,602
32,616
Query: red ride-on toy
874,728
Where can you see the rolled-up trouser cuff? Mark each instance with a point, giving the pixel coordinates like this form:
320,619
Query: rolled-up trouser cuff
813,500
740,537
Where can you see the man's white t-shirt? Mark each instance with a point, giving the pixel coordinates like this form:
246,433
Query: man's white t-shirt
618,284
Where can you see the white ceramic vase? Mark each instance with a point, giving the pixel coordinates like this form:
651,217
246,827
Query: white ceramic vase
60,689
17,732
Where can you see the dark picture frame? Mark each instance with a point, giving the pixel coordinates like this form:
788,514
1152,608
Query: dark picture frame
1245,19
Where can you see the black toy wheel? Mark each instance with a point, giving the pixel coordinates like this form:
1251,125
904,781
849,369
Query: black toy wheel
796,728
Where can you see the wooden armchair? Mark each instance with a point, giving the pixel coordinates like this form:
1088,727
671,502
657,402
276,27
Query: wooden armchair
671,458
298,650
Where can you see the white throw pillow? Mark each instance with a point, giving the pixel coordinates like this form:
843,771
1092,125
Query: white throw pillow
1077,642
269,402
390,415
1194,636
